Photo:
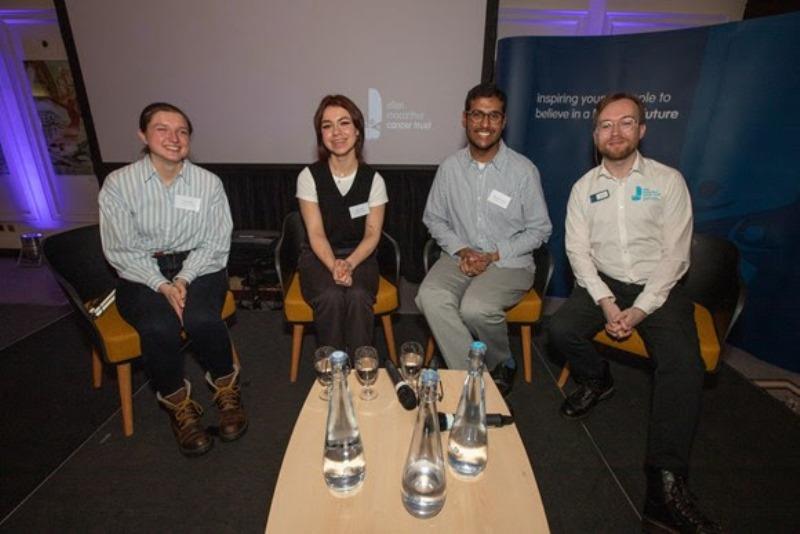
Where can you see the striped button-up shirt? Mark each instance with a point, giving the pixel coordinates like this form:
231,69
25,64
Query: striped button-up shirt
499,207
140,216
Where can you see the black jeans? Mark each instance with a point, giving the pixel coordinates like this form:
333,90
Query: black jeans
670,336
343,316
160,329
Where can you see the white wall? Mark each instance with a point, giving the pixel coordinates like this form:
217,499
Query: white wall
611,17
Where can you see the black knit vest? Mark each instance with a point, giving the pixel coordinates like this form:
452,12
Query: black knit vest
343,232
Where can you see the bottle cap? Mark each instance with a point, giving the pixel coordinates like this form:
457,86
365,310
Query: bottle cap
338,357
429,377
478,346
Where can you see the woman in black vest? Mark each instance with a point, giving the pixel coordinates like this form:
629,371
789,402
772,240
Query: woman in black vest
342,201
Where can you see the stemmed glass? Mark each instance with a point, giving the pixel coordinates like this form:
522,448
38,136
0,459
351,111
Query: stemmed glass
322,366
411,360
366,359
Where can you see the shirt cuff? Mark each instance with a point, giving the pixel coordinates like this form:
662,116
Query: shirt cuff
155,282
647,302
188,275
598,291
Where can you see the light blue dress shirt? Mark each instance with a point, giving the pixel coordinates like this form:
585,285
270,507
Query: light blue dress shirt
499,207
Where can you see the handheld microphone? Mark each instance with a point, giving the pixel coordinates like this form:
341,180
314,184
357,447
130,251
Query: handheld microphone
446,420
405,394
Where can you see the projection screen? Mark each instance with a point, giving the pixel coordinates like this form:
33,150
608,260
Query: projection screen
250,73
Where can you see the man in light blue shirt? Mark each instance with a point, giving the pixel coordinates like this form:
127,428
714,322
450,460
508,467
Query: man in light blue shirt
486,211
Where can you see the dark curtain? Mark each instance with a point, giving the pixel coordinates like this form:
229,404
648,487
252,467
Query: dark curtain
260,196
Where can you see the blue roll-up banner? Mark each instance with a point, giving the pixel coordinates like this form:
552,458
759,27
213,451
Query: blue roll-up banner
723,107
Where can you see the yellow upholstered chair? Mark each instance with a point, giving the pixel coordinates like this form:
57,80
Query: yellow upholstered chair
714,284
76,259
299,313
525,313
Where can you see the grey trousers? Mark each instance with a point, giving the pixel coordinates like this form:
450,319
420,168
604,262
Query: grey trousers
460,308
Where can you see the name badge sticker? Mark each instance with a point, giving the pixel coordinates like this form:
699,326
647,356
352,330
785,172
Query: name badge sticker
359,210
597,197
499,199
183,202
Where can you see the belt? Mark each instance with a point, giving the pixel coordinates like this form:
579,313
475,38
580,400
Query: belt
162,254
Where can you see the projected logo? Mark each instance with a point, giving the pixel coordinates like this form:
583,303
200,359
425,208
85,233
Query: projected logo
397,116
374,114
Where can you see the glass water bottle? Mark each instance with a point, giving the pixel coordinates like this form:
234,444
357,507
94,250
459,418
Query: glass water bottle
468,448
424,484
343,462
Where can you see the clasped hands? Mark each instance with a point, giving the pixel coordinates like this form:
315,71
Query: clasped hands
175,293
620,323
342,272
472,263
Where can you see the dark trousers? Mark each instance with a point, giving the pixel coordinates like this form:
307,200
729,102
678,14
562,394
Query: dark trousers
160,329
343,316
670,336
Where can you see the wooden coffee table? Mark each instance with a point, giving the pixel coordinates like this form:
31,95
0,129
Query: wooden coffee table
504,498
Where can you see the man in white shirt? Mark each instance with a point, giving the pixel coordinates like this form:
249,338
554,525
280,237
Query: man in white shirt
628,236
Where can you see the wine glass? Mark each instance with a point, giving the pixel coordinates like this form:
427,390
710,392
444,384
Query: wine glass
367,371
411,360
322,366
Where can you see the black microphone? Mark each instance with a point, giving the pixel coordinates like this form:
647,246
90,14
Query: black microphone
405,394
446,420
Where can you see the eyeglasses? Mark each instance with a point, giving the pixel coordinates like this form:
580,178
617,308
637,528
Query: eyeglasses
476,116
626,124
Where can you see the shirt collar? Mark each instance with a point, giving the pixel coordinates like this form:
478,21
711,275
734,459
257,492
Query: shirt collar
150,170
499,160
638,167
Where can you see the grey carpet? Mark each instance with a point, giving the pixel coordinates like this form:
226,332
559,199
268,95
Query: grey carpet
745,460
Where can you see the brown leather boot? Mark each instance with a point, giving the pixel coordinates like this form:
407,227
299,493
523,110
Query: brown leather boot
184,416
228,398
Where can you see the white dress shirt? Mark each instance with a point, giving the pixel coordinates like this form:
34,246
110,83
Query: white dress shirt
637,229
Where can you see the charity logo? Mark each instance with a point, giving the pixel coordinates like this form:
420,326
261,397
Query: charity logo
645,193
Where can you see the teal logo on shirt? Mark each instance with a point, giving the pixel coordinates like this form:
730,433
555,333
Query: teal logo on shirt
644,193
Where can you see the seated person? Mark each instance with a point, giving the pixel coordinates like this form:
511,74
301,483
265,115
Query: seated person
166,229
628,238
342,202
486,211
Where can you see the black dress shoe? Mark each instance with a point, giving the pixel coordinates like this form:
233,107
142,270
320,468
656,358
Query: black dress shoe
503,377
587,395
671,507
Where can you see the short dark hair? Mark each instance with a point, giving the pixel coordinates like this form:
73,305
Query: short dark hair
151,109
613,97
340,101
485,90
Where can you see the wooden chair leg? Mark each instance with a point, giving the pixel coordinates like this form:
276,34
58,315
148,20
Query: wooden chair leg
125,397
235,355
388,332
525,330
97,370
430,348
297,345
564,376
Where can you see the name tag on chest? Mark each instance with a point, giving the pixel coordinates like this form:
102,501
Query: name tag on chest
499,199
183,202
359,210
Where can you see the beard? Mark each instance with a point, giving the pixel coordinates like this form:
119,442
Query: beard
618,152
